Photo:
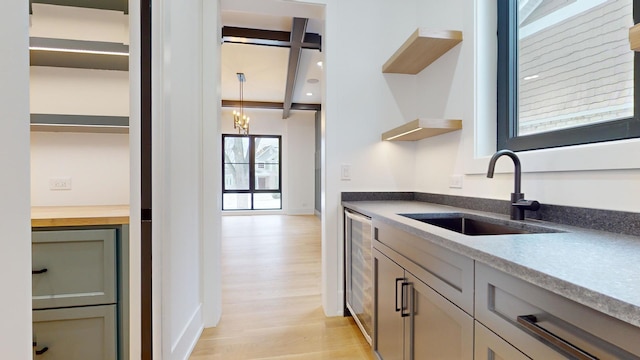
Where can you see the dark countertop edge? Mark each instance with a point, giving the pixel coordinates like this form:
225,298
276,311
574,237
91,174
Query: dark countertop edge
587,297
620,222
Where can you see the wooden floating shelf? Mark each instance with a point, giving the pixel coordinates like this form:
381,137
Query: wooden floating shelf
422,128
634,37
422,48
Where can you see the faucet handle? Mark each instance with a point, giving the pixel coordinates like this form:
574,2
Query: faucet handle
532,205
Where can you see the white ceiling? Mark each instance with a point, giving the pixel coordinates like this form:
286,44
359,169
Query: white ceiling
265,67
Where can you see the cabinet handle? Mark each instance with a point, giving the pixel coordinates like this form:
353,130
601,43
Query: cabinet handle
412,319
402,299
529,322
41,271
405,306
42,351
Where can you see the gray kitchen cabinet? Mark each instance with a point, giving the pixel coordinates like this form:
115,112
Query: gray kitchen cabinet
75,333
79,292
73,268
388,342
412,320
489,346
544,325
445,271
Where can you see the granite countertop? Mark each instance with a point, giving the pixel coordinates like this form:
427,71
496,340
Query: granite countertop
598,269
47,216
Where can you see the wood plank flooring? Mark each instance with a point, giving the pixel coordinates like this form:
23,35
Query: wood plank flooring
271,300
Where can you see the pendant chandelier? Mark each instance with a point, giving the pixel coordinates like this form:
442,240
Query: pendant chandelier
240,120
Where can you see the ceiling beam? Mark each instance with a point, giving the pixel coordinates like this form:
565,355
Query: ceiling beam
270,105
298,29
238,35
115,5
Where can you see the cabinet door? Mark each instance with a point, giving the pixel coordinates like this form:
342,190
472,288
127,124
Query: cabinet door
436,328
389,329
489,346
76,333
73,268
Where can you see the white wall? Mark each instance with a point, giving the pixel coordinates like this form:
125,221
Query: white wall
361,103
51,21
211,254
458,84
300,167
298,139
180,133
98,165
79,91
15,242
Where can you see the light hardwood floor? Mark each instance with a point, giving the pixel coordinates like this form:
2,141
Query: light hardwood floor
271,300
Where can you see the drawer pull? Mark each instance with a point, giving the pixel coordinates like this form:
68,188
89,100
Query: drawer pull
41,271
42,351
529,322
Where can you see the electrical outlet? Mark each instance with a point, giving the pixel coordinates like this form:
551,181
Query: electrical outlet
60,183
345,172
455,182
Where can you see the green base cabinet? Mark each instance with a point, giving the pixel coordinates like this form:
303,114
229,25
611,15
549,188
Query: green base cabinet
80,293
75,333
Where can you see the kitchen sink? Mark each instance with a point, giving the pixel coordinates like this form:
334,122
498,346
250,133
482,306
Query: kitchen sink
474,225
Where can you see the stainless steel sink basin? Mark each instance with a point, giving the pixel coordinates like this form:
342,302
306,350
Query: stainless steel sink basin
475,225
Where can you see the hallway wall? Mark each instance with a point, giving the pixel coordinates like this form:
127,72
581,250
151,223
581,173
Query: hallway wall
15,242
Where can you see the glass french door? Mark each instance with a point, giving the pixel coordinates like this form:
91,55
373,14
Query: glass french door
252,173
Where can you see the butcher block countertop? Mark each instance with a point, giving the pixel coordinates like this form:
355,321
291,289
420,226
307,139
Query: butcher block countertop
46,216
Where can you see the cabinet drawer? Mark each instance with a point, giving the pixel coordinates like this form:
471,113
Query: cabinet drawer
489,346
447,272
73,267
75,333
502,298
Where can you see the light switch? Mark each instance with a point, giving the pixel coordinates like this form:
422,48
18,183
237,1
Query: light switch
345,172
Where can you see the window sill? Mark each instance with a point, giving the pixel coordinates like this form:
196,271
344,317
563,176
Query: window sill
613,155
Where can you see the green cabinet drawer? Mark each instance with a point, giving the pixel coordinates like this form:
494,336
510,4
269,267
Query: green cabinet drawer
73,268
75,334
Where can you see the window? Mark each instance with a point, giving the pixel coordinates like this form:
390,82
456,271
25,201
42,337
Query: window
566,75
252,172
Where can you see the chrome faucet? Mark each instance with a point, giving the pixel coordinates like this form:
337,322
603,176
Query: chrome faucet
518,203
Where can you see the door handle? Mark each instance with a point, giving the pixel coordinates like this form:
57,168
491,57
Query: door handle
41,271
402,298
529,322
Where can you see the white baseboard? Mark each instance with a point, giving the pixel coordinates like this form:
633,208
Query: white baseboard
251,212
300,212
183,346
